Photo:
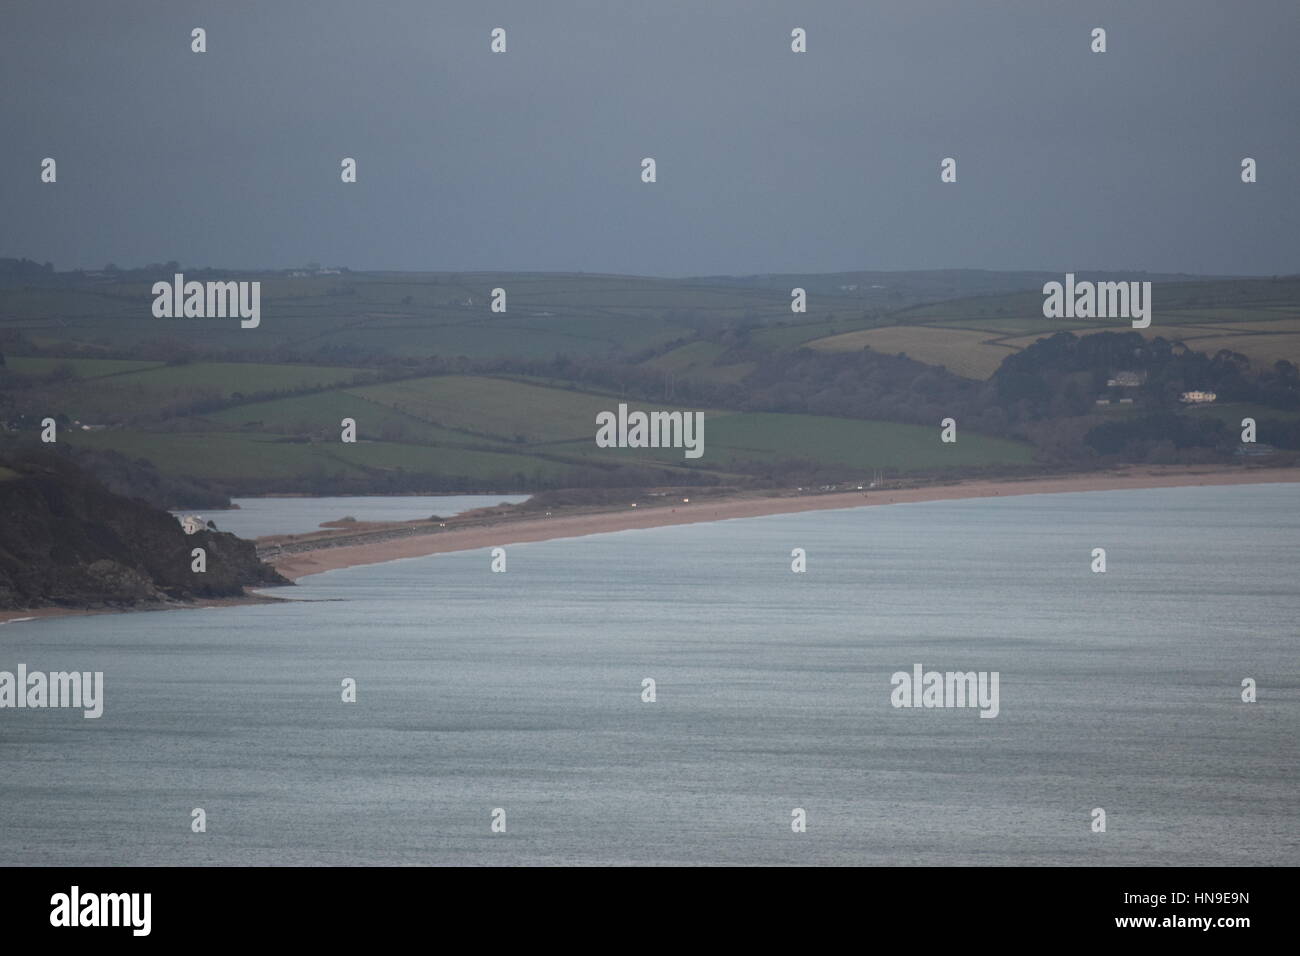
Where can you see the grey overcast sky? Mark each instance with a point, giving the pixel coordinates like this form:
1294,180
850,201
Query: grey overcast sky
768,160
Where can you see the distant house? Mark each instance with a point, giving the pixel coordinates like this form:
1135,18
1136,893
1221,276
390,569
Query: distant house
1197,398
1254,451
1127,380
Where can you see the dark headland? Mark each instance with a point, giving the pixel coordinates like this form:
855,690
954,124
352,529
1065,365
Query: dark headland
67,542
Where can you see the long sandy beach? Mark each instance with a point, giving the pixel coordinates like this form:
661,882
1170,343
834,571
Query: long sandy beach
316,553
507,531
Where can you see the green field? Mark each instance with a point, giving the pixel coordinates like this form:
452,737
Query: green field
730,440
448,314
793,335
117,391
441,386
229,378
240,456
861,444
81,367
499,408
396,314
322,413
489,430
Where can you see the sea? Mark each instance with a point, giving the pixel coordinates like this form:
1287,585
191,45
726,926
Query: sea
505,718
254,517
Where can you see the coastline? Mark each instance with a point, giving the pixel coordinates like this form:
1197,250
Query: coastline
26,615
508,531
317,552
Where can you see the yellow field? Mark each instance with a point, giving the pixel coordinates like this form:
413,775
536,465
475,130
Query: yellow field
1260,348
1185,333
1281,326
961,351
977,353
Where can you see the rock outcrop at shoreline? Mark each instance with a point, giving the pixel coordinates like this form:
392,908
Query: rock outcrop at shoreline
66,541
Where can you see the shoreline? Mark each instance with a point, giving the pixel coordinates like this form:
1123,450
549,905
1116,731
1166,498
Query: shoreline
27,615
317,553
523,530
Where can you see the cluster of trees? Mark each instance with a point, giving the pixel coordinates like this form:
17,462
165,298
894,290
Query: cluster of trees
25,268
1281,434
129,477
1064,373
866,384
170,268
1167,437
1143,437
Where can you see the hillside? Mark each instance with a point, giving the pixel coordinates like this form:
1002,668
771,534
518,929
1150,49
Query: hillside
1258,318
448,395
66,541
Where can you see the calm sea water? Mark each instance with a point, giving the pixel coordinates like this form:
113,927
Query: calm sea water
523,691
258,516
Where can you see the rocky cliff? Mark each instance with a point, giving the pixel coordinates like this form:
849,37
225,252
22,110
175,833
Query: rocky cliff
67,541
